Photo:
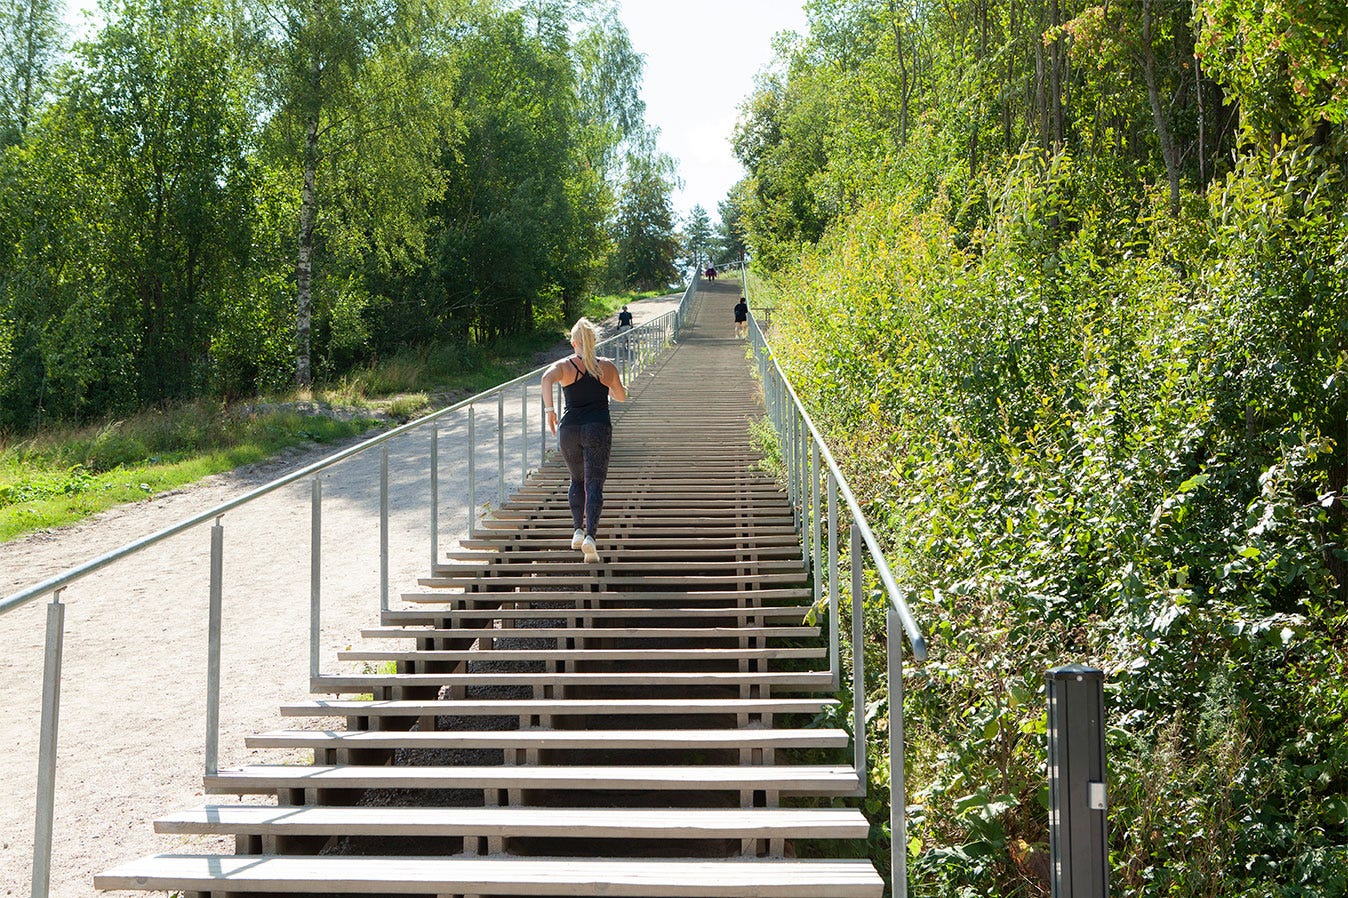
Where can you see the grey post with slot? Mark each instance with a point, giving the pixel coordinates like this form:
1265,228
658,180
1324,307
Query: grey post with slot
1076,782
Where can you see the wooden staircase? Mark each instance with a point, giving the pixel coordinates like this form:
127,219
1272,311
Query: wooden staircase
552,727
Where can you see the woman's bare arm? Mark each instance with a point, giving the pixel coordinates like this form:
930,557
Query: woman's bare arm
611,379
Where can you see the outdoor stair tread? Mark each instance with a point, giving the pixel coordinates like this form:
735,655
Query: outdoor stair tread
668,547
634,654
560,551
735,737
342,683
620,563
697,823
585,578
590,633
777,612
793,779
556,707
746,878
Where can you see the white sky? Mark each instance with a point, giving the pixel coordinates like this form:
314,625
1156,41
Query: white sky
701,57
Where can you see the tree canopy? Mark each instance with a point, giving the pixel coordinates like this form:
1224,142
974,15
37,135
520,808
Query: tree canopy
214,198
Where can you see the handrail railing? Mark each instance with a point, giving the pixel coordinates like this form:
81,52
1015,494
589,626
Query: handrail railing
805,455
634,350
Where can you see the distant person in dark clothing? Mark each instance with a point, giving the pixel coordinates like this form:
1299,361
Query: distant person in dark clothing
711,273
741,318
624,318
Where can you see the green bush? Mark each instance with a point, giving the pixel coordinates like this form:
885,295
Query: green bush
1079,448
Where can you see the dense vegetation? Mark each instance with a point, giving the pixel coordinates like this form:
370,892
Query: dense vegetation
209,199
1066,283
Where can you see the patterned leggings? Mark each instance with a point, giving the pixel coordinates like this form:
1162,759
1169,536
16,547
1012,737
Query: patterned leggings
585,448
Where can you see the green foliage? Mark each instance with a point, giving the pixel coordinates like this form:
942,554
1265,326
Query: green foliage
220,199
1085,367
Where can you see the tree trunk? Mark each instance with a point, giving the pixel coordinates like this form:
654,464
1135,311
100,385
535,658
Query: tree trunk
1169,152
903,74
304,264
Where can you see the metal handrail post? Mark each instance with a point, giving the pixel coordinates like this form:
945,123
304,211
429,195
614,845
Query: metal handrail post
213,648
383,528
524,433
500,450
806,500
834,637
858,659
435,493
45,812
316,573
472,472
898,796
542,429
815,517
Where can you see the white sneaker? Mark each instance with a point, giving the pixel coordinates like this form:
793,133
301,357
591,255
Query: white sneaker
591,551
577,538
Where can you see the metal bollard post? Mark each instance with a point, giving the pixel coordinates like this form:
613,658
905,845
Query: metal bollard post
1079,854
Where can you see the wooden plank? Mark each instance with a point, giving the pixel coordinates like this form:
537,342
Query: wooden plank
796,779
585,655
335,684
733,738
500,876
632,612
696,633
555,707
583,823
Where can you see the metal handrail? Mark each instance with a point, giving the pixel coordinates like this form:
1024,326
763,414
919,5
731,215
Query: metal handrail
634,349
805,456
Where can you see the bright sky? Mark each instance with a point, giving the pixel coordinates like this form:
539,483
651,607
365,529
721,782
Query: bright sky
701,58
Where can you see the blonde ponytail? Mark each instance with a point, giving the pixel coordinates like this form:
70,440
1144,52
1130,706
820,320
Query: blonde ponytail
585,335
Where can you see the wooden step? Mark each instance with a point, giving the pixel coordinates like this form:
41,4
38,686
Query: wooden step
542,739
345,684
568,561
768,878
538,541
581,823
608,612
261,779
586,655
764,595
556,707
600,572
699,634
562,551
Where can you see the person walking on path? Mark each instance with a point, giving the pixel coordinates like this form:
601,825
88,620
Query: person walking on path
624,318
741,318
585,432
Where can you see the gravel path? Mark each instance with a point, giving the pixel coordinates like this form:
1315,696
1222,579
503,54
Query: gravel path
132,703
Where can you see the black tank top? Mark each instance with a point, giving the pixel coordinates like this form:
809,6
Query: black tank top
586,399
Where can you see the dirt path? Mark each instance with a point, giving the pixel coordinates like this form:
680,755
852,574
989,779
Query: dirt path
132,703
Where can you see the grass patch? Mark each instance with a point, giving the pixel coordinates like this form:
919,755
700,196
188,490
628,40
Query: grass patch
600,307
64,475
